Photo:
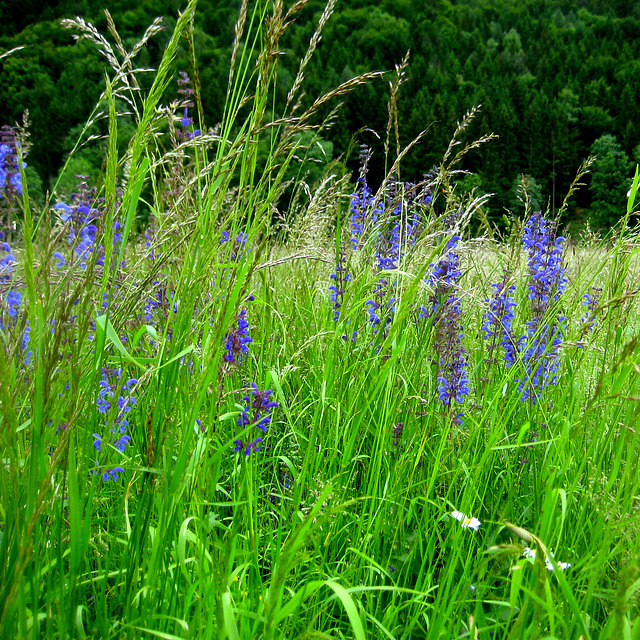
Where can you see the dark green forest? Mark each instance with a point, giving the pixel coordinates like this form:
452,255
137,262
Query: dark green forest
556,81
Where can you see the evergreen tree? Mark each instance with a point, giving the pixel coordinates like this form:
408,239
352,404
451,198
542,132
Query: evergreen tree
609,181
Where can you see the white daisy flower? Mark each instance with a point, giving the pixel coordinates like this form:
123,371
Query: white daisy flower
531,554
466,522
561,565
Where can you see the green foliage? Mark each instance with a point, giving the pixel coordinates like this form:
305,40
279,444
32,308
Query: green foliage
36,186
609,181
79,165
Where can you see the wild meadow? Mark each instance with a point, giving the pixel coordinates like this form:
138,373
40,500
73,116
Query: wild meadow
340,414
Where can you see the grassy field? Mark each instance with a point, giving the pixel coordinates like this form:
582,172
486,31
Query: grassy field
344,419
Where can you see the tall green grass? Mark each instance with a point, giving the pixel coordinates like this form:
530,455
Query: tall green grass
332,530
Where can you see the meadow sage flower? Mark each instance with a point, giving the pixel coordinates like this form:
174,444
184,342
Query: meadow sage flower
498,319
237,341
341,277
257,413
119,438
547,281
10,178
444,306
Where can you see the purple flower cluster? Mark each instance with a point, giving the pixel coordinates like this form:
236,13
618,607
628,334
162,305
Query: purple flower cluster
186,122
237,247
590,301
402,228
498,319
394,224
546,272
381,306
540,346
80,219
540,356
452,381
341,277
7,263
394,233
396,433
160,306
149,236
237,341
10,180
443,280
11,302
115,412
257,413
362,201
9,309
389,246
444,306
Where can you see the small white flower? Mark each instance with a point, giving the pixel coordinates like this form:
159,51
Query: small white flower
561,565
531,554
466,522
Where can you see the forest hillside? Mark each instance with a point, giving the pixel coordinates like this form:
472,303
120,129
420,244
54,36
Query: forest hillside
556,81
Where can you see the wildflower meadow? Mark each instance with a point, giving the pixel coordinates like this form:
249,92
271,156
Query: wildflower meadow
352,412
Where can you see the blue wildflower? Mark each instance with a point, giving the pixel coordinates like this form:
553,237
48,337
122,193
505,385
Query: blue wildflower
186,120
7,263
160,308
341,277
498,319
60,258
361,207
443,280
238,247
395,235
590,301
257,413
110,383
13,302
184,83
546,273
540,345
10,179
237,341
112,474
247,448
122,443
80,219
372,309
540,355
24,344
445,308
